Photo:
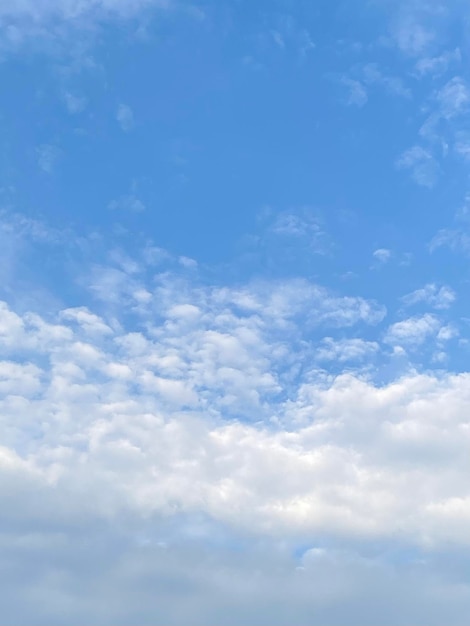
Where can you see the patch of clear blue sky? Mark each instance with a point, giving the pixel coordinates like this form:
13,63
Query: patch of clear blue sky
235,113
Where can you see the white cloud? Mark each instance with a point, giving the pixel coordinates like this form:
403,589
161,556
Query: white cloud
45,10
382,255
138,423
413,331
424,168
418,27
127,203
448,104
47,156
446,333
438,65
457,240
357,94
437,297
90,323
453,98
125,117
75,104
463,213
136,437
373,75
411,36
305,227
345,350
52,24
288,35
462,145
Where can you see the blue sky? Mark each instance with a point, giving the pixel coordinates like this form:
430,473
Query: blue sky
234,328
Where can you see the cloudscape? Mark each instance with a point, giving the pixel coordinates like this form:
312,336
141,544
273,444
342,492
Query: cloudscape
234,313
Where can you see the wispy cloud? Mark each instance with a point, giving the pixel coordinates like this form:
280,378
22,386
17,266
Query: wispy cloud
382,255
357,94
125,117
127,203
75,104
303,226
49,10
457,240
48,155
412,37
417,27
52,25
394,85
424,168
291,36
438,65
437,297
453,98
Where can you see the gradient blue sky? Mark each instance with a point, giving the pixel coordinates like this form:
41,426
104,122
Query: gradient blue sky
235,313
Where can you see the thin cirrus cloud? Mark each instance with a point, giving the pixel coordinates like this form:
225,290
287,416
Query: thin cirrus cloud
357,93
422,165
48,156
53,25
72,9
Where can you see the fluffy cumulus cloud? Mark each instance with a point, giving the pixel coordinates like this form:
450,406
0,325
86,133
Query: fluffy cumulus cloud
170,416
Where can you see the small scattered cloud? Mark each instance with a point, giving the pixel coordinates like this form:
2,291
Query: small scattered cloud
412,37
423,166
187,262
47,157
457,240
290,236
413,331
302,225
125,117
446,333
394,85
66,27
463,213
290,36
417,27
75,104
357,94
382,255
438,65
454,98
462,146
447,107
128,202
345,350
432,295
278,39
